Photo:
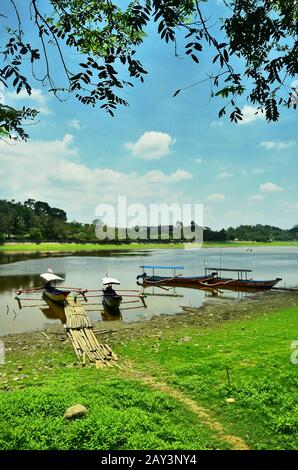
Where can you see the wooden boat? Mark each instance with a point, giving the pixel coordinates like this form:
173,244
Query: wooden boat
173,280
110,299
242,281
49,281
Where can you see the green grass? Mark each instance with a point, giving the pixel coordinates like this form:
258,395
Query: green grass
68,247
262,379
125,414
63,247
122,414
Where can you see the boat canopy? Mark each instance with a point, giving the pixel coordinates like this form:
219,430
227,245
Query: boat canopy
228,269
109,280
162,267
49,277
241,273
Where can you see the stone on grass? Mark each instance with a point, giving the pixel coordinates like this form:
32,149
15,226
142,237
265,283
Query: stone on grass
230,400
75,411
186,339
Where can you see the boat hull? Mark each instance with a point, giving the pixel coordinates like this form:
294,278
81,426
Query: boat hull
172,281
203,282
112,302
57,296
226,283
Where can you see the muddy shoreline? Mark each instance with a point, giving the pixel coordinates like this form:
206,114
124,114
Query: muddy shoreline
212,314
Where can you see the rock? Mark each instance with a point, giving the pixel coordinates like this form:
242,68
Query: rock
186,339
230,400
20,367
75,411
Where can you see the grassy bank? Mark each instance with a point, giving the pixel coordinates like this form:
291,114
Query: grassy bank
247,360
76,247
247,244
87,247
194,382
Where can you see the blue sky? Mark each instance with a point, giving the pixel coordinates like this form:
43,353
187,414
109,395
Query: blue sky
159,149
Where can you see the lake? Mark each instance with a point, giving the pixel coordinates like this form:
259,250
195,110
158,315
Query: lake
86,270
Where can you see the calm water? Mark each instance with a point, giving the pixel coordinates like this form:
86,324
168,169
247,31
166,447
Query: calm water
23,271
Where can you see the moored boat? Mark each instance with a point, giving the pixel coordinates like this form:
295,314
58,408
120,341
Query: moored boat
212,279
49,280
110,299
172,280
242,281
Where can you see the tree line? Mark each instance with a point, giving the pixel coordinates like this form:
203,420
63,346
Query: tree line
37,221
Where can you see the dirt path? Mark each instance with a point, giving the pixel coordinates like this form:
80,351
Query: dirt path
236,442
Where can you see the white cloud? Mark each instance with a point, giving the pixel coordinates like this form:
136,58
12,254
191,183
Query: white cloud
37,97
277,144
74,124
216,124
256,197
216,197
223,175
250,114
52,171
151,145
157,176
199,160
270,188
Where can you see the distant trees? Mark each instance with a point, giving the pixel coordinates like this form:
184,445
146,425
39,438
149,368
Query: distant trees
256,233
38,221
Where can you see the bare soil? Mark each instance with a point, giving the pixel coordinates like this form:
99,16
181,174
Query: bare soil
211,314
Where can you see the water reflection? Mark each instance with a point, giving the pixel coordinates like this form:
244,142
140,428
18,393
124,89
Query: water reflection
52,310
110,315
14,257
19,282
88,270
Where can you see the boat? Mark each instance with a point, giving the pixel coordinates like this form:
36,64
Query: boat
49,280
174,280
241,282
110,299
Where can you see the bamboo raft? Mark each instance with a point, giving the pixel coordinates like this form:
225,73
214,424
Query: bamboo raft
80,332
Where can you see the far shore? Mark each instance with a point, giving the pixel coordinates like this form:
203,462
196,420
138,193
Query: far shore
49,247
